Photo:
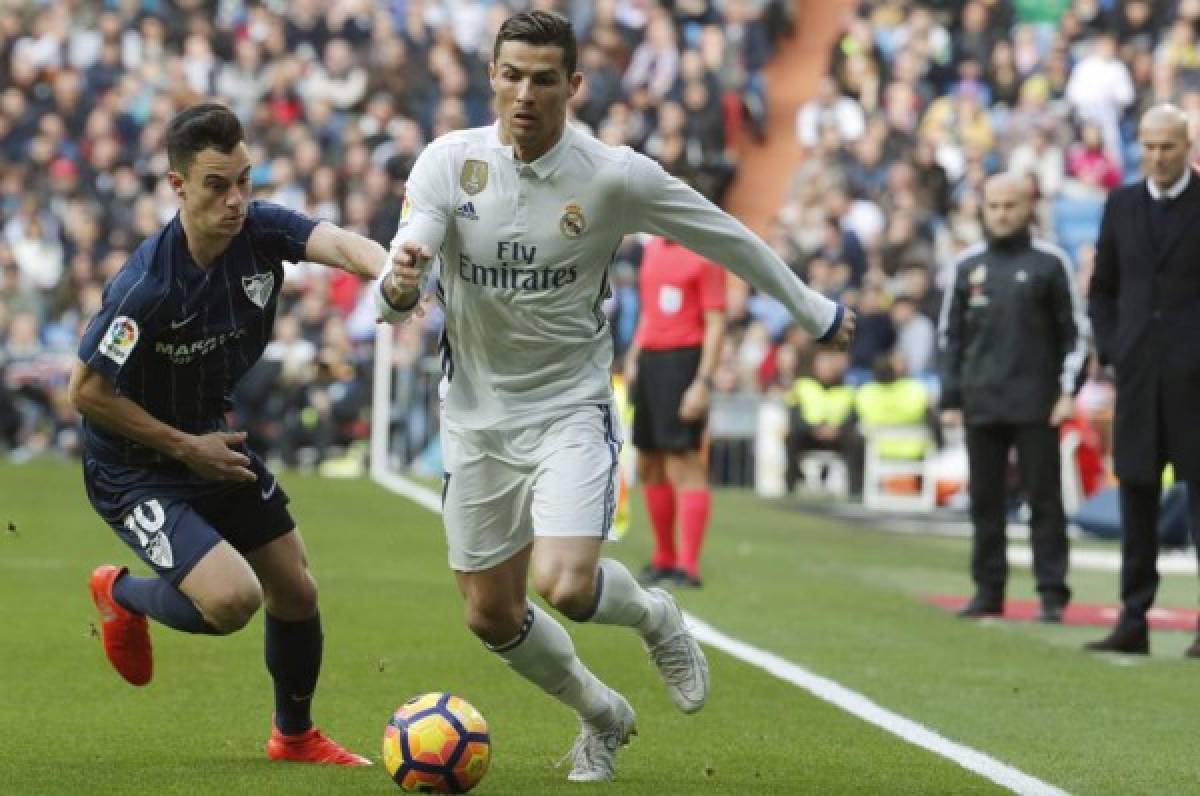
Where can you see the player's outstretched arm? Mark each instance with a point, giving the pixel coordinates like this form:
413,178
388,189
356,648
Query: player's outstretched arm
659,203
331,245
208,455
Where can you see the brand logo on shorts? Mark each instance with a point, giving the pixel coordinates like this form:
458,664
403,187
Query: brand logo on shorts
572,224
474,176
146,522
258,288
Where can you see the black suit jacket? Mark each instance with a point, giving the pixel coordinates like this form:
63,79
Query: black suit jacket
1144,303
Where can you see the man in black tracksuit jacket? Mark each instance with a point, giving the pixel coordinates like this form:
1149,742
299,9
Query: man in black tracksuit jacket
1014,339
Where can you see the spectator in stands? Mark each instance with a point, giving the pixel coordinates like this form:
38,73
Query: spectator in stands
655,63
1100,88
1040,156
831,109
915,337
1091,166
1013,343
875,334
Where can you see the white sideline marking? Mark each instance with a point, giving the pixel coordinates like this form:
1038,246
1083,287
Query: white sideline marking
823,688
1181,562
858,705
421,495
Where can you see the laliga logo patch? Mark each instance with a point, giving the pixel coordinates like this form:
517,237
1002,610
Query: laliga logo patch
119,340
258,288
572,224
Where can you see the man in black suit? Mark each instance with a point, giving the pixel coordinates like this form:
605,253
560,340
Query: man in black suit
1144,301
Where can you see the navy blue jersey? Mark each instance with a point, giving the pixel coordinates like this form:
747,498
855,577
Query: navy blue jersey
175,338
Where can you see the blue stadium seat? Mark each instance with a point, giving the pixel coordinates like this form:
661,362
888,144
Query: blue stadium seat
1132,157
1076,222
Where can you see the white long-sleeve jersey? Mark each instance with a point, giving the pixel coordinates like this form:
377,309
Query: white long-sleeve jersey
524,251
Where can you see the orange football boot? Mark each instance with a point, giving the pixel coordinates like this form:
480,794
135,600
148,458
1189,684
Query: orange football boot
125,633
311,746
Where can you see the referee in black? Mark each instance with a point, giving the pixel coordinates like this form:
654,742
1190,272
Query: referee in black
1013,338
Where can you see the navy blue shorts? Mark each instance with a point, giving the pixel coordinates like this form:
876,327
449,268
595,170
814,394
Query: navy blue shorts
172,518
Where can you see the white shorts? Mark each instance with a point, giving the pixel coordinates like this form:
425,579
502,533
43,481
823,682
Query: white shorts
502,488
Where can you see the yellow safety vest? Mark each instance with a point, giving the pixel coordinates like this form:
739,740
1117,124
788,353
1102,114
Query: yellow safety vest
904,402
820,404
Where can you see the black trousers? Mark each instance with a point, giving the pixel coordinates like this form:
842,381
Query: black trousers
849,443
1038,461
1140,503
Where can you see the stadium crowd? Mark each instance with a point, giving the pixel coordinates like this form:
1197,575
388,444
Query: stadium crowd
921,102
924,100
338,100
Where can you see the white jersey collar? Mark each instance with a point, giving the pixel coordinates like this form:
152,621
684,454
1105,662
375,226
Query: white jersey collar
545,165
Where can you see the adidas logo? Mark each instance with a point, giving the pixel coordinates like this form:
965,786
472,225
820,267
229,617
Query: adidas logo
467,211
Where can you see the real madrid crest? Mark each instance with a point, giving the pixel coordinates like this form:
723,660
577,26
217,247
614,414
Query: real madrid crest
572,223
473,178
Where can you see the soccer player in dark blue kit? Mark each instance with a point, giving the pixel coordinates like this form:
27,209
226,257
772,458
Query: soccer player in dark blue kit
184,319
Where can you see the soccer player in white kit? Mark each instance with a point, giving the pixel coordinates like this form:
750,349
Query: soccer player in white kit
525,216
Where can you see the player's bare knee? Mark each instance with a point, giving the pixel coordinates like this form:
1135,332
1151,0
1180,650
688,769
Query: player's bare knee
650,469
232,609
293,600
304,599
573,596
495,624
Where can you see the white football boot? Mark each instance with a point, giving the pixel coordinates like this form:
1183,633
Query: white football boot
594,755
679,658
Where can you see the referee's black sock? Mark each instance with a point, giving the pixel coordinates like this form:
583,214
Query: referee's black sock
293,653
162,602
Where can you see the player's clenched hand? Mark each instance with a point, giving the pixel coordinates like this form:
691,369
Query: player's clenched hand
845,333
211,456
402,284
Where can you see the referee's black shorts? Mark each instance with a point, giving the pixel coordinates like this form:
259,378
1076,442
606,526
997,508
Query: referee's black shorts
662,378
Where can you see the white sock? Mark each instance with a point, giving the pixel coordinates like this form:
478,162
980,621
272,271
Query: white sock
620,600
544,655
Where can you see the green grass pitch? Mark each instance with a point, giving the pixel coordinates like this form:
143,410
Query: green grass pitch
839,600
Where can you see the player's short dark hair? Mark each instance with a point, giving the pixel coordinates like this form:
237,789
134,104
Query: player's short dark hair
540,27
208,125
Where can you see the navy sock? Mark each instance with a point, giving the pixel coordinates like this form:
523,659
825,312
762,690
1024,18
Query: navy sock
293,652
159,600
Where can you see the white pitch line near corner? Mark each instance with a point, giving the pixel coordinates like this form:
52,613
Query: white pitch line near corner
860,706
823,688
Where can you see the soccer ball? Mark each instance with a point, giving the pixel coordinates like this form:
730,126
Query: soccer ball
436,743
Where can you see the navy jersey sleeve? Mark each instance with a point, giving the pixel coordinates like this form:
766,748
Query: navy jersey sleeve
280,232
112,341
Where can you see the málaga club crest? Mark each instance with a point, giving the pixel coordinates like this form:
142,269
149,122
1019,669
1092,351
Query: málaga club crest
258,288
